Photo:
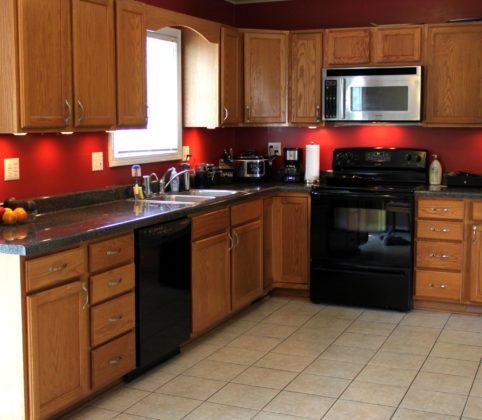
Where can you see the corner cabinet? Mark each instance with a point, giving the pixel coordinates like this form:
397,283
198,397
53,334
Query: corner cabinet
265,76
305,67
453,75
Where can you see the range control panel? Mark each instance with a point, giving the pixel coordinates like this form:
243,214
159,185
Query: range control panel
374,157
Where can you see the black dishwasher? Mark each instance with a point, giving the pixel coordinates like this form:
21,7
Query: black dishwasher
163,292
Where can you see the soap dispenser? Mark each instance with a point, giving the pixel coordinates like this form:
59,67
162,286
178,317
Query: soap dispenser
435,171
174,180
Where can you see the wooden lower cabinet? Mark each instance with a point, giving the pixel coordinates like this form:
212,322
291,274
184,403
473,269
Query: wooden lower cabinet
247,263
58,343
211,288
290,241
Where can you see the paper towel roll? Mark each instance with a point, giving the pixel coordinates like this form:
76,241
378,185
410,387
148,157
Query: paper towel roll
312,167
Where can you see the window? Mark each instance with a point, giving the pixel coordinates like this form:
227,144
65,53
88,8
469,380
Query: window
162,139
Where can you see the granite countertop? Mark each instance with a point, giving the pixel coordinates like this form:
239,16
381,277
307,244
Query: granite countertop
442,191
53,230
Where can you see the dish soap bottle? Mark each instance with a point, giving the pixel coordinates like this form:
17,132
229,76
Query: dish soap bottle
435,171
174,180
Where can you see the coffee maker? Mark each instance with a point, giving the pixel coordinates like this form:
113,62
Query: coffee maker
292,171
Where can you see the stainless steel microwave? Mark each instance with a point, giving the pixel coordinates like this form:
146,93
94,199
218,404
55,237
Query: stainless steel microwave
372,94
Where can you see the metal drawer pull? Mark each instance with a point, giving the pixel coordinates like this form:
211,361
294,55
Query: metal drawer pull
439,256
444,209
115,360
474,233
86,303
443,230
113,283
442,286
54,269
111,252
115,318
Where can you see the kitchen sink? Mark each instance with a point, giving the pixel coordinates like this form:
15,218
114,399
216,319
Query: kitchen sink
209,193
181,198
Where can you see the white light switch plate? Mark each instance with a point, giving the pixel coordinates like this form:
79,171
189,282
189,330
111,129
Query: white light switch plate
97,161
274,149
11,169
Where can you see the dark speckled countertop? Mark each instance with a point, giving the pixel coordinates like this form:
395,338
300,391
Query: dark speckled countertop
53,230
443,191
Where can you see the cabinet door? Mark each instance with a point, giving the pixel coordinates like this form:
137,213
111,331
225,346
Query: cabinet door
231,76
305,77
211,289
291,255
265,66
58,353
94,62
44,64
347,47
247,263
454,74
397,45
475,273
131,64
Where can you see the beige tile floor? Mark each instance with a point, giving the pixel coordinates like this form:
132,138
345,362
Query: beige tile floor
291,359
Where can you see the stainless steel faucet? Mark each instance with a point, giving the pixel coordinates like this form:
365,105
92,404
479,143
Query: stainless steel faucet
163,184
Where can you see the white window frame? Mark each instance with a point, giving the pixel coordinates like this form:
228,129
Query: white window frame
173,35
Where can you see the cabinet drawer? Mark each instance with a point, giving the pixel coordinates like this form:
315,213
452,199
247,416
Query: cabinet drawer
441,209
111,283
445,255
440,229
477,211
438,284
51,269
208,224
113,360
245,212
112,252
112,318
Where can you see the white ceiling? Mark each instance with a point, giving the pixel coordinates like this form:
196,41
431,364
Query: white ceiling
251,1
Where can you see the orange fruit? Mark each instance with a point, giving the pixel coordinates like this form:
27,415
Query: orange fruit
21,214
9,217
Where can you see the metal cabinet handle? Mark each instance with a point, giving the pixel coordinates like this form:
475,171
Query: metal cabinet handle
69,113
317,113
113,319
439,256
226,114
442,286
113,283
56,268
111,252
86,303
231,243
443,209
474,234
438,230
115,360
236,239
248,113
82,113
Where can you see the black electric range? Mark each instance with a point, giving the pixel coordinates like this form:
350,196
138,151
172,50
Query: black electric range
362,228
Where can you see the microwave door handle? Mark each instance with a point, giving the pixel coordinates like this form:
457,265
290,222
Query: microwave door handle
343,99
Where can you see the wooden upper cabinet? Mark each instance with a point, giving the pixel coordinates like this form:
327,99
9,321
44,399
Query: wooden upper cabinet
397,45
44,63
131,64
231,58
265,69
347,47
453,74
94,63
305,65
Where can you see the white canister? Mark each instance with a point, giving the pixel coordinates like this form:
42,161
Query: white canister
312,167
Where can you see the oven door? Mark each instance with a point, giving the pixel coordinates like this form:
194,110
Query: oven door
361,248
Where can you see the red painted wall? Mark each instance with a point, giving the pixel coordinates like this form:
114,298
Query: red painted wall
458,149
304,14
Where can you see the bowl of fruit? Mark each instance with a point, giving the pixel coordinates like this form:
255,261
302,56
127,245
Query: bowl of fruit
17,211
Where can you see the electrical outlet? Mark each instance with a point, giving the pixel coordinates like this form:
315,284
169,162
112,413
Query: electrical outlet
97,161
274,149
185,153
11,169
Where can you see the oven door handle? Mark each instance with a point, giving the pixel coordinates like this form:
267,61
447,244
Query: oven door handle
340,194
